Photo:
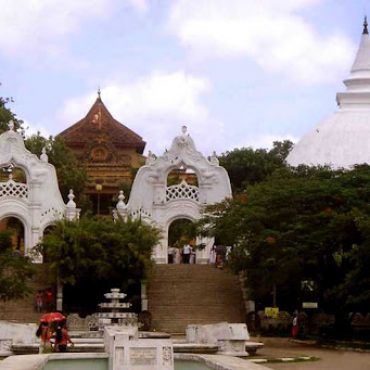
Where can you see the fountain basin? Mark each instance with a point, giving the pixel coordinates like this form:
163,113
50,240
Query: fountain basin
96,361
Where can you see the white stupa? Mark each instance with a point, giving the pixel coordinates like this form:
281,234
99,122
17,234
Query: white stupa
343,139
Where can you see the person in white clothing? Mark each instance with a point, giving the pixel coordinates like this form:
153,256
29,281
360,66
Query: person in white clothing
177,255
186,252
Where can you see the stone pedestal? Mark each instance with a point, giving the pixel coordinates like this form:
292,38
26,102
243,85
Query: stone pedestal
230,338
232,347
127,352
6,347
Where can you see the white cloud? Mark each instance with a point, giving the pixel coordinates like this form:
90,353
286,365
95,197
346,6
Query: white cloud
156,106
273,33
41,26
142,6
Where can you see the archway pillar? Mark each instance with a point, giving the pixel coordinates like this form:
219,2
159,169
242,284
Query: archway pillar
160,251
36,235
35,192
202,255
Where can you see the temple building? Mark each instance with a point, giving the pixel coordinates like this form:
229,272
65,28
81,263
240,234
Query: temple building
342,140
110,152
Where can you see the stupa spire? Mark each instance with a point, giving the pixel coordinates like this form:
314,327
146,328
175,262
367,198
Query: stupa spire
357,94
362,60
365,30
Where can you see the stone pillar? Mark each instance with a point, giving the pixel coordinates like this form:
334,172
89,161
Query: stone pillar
160,254
59,296
144,297
202,256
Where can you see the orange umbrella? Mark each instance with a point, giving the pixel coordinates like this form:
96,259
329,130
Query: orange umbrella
52,316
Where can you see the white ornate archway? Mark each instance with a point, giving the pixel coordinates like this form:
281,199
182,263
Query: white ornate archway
37,202
160,204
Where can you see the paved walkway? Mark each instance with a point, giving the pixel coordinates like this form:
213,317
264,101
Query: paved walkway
329,359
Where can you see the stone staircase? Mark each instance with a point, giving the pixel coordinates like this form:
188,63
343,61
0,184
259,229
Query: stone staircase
23,310
179,295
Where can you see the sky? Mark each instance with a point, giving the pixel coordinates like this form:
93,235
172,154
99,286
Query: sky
237,73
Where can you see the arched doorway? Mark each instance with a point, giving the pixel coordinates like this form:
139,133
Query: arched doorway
181,232
15,228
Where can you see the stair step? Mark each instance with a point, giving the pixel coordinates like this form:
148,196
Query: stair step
180,295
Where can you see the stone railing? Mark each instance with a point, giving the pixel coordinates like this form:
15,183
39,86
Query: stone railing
76,323
182,191
11,188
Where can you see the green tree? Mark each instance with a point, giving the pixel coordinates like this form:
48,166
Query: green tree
281,149
99,252
247,166
15,270
300,224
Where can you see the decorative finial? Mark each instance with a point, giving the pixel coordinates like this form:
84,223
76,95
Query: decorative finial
121,196
365,31
44,157
71,196
11,125
184,129
121,206
213,158
150,158
99,93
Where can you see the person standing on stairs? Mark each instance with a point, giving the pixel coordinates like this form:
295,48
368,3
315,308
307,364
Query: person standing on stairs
39,301
186,252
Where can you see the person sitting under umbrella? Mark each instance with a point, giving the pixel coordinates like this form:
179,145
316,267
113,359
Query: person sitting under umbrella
62,337
44,333
45,329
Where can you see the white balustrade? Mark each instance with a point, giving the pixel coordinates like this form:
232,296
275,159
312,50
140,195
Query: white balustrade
11,188
182,191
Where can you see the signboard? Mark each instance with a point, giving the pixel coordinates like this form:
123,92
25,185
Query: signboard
272,312
310,305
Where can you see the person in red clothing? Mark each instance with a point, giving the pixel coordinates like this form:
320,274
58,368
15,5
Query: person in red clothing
44,333
49,299
62,338
295,325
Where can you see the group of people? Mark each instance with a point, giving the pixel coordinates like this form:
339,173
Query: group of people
218,254
44,300
53,336
186,254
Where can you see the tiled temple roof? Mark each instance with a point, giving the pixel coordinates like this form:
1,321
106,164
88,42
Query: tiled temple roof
98,124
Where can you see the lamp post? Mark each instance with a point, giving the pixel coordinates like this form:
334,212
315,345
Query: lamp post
98,188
